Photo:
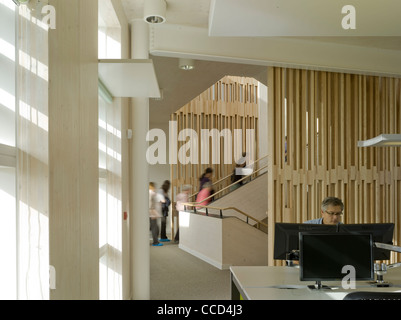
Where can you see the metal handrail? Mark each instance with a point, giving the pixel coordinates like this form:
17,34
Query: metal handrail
228,176
234,183
195,204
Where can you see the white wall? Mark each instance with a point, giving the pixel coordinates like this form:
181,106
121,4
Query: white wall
222,242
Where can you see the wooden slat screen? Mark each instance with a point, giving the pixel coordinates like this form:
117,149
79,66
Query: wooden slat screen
231,103
323,115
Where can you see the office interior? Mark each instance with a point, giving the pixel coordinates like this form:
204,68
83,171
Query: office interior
83,82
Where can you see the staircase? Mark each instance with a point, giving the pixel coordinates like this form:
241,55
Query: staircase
231,230
222,242
250,198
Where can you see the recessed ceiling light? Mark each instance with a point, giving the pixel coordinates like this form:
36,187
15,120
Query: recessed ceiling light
186,64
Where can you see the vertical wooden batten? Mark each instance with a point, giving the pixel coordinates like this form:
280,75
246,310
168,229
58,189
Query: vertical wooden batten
327,114
229,104
73,150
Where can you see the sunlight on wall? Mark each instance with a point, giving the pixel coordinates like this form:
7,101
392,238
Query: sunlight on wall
7,50
110,245
110,172
7,118
110,283
109,220
33,254
34,116
8,4
109,48
102,213
110,151
109,128
7,100
25,12
110,205
33,65
32,164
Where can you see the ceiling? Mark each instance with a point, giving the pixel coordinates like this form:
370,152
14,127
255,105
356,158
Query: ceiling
186,33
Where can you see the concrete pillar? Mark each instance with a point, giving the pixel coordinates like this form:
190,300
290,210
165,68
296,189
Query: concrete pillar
139,222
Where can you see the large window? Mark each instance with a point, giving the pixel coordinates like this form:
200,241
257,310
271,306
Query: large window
110,206
8,227
110,172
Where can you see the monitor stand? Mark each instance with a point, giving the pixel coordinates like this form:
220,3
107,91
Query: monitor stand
380,271
291,257
319,286
380,282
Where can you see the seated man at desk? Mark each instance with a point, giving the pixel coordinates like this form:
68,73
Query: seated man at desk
331,209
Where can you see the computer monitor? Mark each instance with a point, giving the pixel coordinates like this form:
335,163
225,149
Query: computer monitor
286,236
323,256
381,232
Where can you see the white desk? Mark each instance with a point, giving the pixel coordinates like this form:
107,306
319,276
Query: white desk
282,283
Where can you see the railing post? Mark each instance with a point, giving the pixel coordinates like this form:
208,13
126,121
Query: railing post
221,213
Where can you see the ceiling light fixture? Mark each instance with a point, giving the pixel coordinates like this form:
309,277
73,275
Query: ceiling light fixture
186,64
155,11
383,140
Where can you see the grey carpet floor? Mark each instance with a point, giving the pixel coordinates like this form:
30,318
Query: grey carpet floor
178,275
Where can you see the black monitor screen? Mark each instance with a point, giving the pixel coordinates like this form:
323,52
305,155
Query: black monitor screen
381,232
323,256
286,236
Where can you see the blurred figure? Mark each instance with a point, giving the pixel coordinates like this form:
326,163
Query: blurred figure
247,166
181,198
154,213
203,194
205,177
165,204
237,175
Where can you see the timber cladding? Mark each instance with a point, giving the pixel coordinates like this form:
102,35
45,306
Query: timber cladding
319,117
230,104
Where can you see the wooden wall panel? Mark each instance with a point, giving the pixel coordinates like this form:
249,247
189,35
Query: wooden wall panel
231,103
323,115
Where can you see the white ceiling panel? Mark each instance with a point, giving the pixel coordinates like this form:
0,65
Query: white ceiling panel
129,78
267,18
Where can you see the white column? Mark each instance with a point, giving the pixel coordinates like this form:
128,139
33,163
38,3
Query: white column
139,225
73,150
